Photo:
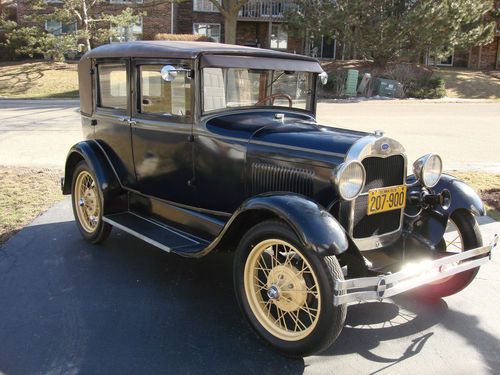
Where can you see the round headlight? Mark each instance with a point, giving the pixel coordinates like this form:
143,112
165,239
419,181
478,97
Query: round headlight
349,179
428,169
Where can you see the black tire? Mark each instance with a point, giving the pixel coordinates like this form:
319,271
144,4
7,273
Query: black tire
471,238
101,230
330,319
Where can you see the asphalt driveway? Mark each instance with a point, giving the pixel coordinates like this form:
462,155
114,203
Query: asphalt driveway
125,307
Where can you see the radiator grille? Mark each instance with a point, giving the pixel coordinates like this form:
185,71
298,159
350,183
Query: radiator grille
266,177
380,172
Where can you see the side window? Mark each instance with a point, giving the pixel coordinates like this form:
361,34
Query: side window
112,86
164,98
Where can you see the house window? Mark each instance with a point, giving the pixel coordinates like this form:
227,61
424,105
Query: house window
279,37
211,30
112,86
159,97
204,6
58,28
126,33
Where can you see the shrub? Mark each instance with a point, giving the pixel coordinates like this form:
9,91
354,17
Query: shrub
183,37
335,86
428,88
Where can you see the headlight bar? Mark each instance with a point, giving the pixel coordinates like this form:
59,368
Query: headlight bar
388,285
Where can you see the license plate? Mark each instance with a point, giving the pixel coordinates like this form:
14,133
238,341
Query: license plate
386,199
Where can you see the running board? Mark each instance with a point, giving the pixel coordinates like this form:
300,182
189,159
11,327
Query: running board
157,234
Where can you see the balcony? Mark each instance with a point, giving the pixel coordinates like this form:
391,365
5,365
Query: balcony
255,10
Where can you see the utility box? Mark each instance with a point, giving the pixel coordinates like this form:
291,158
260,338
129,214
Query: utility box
387,87
352,82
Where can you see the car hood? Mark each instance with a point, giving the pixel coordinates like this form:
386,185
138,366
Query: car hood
302,141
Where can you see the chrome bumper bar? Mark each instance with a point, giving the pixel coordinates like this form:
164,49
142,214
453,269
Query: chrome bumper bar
388,285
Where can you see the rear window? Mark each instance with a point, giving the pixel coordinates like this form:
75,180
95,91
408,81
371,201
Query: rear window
112,86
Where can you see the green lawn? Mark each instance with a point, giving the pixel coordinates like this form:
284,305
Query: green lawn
38,79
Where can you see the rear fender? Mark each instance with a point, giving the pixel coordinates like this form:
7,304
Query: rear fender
109,185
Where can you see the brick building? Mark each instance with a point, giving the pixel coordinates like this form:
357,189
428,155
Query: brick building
260,23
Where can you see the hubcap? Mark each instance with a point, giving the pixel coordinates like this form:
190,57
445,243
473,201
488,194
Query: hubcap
87,201
282,290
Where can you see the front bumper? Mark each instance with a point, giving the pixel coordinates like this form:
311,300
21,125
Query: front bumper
388,285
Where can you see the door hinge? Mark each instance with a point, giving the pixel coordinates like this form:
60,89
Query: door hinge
190,138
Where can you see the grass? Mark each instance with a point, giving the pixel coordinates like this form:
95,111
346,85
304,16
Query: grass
38,79
24,194
488,187
470,84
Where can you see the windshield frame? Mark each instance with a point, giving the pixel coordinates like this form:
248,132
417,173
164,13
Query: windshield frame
310,102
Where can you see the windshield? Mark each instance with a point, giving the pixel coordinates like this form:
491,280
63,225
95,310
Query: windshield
243,87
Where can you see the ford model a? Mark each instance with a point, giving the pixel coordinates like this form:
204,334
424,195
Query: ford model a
197,147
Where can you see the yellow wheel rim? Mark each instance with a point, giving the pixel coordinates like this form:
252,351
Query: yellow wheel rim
87,204
282,290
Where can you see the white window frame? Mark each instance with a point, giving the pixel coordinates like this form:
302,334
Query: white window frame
61,25
208,24
282,27
204,6
139,24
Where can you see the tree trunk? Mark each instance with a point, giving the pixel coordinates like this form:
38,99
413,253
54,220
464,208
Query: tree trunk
230,28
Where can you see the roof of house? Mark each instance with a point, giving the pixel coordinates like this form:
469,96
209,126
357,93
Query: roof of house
184,50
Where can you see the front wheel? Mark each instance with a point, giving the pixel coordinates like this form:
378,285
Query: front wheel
286,292
461,234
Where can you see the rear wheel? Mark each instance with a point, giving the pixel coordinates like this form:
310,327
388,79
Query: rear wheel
286,292
462,233
87,205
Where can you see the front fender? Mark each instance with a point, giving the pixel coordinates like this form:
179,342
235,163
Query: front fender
432,223
314,226
109,185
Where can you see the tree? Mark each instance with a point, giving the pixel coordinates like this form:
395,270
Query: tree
442,26
229,10
381,29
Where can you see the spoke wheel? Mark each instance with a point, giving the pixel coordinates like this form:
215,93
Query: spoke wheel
282,290
87,204
87,201
285,291
461,234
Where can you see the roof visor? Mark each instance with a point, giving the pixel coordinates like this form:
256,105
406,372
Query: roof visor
256,62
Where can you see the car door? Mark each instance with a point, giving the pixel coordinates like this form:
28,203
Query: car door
162,117
112,116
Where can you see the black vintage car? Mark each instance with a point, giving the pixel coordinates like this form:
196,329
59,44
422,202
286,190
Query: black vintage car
195,147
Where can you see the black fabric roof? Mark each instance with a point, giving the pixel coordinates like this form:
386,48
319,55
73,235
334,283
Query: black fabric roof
183,50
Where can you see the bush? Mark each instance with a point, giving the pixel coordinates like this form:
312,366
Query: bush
428,88
335,86
183,37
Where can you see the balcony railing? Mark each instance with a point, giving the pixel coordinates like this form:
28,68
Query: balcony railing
265,10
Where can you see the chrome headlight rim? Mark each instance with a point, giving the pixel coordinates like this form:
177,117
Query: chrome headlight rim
420,165
339,172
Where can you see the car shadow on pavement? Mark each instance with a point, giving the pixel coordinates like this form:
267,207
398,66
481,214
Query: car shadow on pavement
127,307
121,307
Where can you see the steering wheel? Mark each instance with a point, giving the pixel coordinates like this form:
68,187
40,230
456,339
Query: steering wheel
274,96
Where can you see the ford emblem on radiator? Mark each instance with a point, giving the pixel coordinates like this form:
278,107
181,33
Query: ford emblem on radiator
385,147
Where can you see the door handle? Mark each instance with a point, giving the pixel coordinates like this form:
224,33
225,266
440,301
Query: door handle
123,119
132,122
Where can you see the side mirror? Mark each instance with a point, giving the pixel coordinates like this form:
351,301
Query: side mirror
323,76
168,73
